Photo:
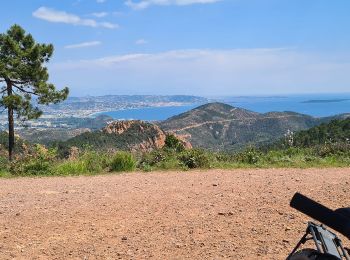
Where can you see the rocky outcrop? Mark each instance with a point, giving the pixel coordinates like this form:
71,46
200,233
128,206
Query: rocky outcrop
145,136
119,127
133,135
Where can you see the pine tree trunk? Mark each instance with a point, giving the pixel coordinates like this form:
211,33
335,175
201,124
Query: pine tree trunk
11,123
11,133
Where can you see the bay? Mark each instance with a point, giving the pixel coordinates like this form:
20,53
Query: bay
318,105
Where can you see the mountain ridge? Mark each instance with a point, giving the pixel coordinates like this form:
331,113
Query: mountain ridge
213,126
219,126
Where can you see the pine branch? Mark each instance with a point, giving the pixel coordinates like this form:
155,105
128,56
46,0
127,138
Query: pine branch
24,91
18,82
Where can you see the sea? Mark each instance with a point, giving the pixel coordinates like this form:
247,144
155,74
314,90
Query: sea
317,105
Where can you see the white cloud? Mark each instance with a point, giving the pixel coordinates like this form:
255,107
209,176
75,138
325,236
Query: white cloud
109,25
83,45
54,16
146,3
208,72
141,42
100,14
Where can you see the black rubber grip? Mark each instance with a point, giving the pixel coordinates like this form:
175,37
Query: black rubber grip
321,213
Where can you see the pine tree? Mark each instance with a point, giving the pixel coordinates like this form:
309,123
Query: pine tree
23,71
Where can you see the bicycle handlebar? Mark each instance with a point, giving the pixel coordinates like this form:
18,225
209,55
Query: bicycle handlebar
321,213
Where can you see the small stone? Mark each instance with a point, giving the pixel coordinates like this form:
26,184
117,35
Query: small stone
178,245
124,238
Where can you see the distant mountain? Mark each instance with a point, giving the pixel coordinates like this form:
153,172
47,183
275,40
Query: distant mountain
213,126
218,126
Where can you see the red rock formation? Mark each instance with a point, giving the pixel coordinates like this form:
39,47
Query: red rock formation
154,136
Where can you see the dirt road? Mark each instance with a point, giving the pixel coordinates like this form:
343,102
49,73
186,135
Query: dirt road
215,214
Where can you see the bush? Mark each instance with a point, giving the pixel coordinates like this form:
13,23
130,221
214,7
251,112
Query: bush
3,163
332,149
173,143
153,158
195,158
161,159
4,167
249,156
123,162
88,162
38,163
95,162
75,167
223,157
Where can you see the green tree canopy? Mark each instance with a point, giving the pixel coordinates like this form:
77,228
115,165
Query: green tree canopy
23,72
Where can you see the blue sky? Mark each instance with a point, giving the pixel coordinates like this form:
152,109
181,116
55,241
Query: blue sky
200,47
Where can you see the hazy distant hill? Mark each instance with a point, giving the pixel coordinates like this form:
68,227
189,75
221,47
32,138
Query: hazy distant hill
218,126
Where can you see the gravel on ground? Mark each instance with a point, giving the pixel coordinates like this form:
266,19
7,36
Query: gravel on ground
207,214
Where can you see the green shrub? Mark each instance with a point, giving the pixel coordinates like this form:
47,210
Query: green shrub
160,159
249,156
145,167
3,163
4,167
170,163
38,163
195,158
94,161
75,167
223,157
153,158
172,142
332,149
123,162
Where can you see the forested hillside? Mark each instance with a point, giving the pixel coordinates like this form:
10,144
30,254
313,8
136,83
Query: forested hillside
221,127
336,131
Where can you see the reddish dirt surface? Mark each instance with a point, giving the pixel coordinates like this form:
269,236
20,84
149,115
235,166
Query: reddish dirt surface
216,214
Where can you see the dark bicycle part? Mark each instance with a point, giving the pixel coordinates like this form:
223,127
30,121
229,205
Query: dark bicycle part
344,211
328,245
311,254
333,219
